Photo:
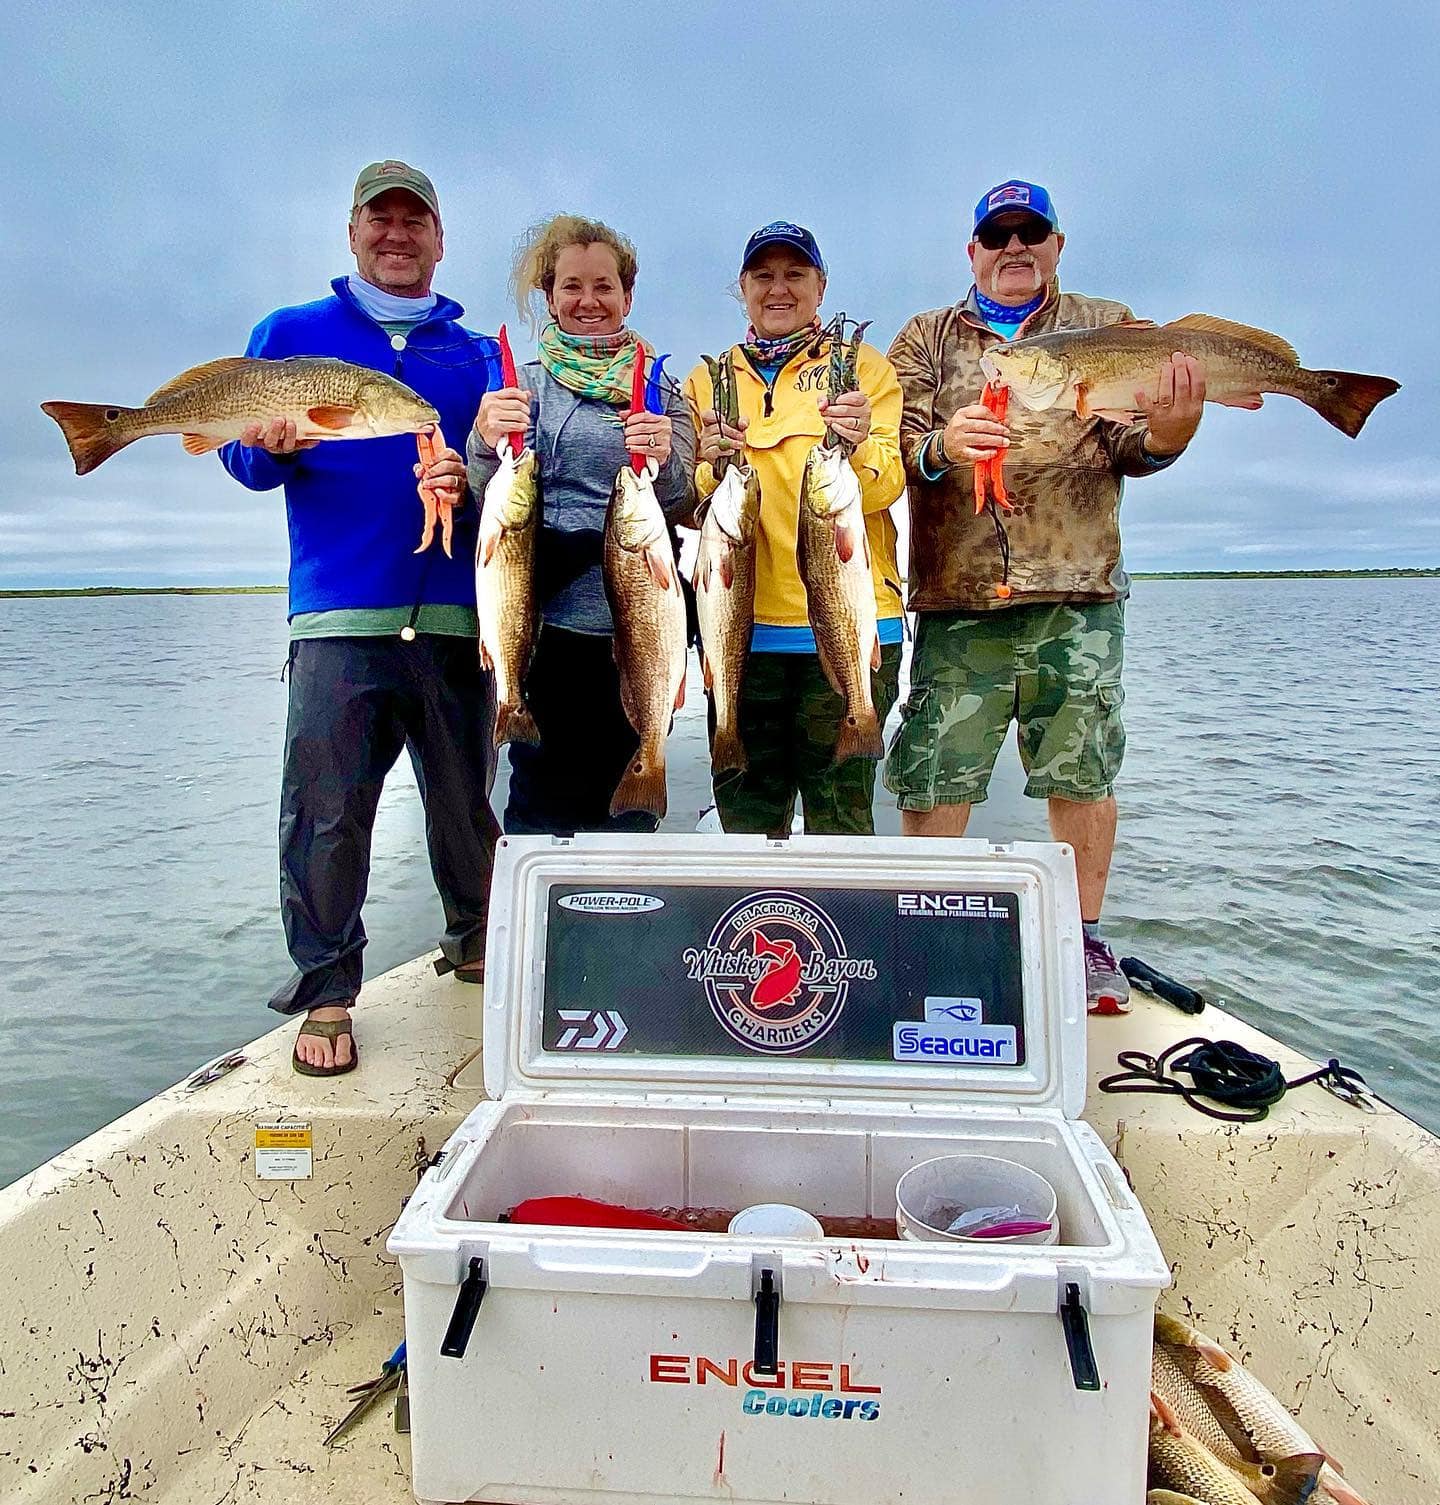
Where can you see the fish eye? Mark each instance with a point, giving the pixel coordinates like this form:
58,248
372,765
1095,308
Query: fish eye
111,414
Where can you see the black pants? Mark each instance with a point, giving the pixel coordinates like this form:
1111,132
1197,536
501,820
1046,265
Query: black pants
354,704
565,784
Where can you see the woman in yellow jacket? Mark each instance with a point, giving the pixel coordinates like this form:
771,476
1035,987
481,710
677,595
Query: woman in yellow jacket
789,715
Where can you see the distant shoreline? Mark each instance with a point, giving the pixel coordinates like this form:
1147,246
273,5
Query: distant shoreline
1432,573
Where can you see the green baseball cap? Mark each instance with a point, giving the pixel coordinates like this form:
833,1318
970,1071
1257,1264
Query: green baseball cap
381,177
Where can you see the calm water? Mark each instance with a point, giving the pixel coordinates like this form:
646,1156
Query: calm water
1279,841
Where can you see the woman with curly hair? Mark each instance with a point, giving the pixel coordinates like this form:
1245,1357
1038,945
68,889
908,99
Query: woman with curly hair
571,403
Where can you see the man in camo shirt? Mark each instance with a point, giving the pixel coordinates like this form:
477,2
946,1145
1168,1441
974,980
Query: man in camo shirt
1021,614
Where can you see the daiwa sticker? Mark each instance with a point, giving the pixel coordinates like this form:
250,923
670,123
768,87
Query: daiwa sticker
951,1040
954,1010
775,972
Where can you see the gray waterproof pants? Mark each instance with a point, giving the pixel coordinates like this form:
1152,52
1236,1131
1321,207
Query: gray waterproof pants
355,703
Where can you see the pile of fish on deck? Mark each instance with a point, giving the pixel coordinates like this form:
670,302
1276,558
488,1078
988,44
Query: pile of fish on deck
1218,1436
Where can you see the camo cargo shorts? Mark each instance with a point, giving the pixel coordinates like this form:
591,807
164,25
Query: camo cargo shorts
1054,669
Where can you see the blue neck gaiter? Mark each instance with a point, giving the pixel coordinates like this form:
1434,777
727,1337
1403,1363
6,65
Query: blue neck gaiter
1007,313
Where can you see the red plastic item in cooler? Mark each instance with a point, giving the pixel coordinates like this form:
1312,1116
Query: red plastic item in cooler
582,1212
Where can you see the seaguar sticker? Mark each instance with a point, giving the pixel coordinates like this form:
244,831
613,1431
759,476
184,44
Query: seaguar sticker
955,1040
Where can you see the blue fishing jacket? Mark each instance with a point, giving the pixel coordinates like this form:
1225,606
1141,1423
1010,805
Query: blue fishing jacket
354,513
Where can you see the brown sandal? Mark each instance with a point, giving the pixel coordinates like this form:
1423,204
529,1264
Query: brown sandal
327,1029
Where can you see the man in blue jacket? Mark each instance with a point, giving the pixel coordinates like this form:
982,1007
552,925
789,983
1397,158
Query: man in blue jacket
383,641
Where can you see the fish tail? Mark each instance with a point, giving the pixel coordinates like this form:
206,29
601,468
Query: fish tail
642,785
1296,1478
515,723
1346,399
1338,1490
90,431
727,751
859,737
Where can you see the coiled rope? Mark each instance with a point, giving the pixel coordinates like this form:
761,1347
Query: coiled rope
1225,1072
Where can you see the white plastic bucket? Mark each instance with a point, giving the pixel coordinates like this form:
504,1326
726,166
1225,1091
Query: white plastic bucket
776,1220
963,1181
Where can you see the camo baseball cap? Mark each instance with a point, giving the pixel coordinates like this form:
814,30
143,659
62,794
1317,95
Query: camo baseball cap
381,177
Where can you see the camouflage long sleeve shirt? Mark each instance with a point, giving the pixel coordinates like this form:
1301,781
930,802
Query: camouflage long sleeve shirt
1063,473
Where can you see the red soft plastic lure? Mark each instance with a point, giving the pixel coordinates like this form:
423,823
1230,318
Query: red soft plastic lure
509,378
637,403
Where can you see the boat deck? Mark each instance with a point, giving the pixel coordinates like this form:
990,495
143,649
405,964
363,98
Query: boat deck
174,1330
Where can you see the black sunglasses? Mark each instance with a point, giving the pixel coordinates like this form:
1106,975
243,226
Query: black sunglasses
1031,232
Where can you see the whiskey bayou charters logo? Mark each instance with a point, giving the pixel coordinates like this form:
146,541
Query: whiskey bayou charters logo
775,972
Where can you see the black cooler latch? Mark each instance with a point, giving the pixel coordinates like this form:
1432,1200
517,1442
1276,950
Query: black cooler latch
1077,1340
767,1324
467,1308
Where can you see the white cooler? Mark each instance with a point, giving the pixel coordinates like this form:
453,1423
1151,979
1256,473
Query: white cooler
713,1022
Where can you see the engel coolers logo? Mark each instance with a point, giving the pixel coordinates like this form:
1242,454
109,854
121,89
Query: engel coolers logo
827,1392
775,972
617,903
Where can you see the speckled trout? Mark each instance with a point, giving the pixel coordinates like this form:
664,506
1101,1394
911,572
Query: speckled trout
642,584
833,554
1098,371
212,404
725,599
505,589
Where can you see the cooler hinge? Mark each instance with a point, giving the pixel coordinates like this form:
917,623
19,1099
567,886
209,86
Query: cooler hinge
1076,1325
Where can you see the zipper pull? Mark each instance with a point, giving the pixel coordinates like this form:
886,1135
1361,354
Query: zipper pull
397,344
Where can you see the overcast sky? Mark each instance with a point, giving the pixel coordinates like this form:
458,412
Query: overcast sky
174,173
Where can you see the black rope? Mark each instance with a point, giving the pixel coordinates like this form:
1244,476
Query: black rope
1224,1072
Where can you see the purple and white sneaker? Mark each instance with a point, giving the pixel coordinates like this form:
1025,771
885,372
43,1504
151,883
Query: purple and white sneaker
1107,989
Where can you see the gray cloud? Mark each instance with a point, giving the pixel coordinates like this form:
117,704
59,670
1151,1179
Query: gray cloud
168,186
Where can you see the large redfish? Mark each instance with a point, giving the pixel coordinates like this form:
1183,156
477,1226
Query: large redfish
212,404
1098,371
642,583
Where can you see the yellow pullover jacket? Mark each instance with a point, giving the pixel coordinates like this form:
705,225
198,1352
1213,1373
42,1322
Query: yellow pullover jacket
783,429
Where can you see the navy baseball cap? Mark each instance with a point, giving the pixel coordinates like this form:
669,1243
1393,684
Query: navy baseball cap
781,232
1016,197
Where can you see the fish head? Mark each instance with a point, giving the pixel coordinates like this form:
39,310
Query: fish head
387,406
634,516
1035,375
735,503
513,490
830,485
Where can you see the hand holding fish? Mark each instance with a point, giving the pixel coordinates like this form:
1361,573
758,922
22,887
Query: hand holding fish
719,438
975,433
1174,412
502,412
277,437
848,415
648,434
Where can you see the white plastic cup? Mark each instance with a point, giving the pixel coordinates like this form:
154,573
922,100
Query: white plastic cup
966,1181
776,1220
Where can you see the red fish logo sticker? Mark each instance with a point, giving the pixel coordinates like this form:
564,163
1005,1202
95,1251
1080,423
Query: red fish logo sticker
776,972
782,982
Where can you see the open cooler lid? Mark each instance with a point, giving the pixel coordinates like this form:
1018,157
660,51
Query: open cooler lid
939,972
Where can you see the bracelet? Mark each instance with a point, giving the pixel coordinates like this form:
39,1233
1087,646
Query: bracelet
937,448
